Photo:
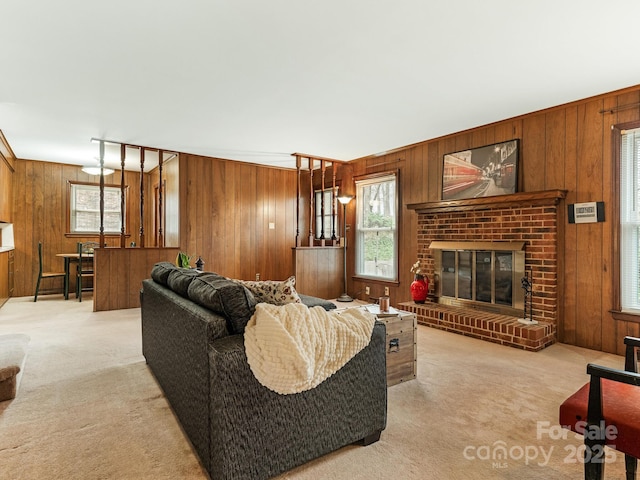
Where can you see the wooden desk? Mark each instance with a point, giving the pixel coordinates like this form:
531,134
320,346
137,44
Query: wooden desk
70,258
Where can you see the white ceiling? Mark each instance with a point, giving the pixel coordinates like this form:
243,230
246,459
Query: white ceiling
257,80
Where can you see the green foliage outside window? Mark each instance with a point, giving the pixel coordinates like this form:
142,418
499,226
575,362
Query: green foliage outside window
379,245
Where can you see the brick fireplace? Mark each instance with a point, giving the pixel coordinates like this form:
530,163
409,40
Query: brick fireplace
531,218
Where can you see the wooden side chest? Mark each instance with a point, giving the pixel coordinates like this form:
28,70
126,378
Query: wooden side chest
401,346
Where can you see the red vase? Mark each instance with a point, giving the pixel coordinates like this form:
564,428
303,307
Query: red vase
419,288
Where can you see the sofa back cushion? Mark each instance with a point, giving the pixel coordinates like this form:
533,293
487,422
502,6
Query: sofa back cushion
160,272
180,279
225,297
311,301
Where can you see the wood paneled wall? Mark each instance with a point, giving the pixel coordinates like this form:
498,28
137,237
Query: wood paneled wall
566,147
7,165
4,277
239,217
6,187
119,275
170,203
316,271
226,209
40,214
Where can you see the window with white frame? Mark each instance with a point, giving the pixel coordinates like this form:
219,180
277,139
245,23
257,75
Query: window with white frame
84,209
376,228
630,221
327,223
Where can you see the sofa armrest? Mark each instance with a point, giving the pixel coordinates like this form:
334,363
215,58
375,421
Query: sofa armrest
274,432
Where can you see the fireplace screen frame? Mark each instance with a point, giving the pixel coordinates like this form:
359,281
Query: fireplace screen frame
516,249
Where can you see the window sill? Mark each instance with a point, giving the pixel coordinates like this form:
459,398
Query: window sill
379,280
625,316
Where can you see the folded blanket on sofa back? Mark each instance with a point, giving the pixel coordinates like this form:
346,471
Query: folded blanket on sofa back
292,348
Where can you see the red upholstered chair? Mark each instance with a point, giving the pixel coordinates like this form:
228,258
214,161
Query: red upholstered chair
607,412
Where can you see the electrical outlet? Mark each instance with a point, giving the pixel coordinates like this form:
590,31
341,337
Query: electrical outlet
367,290
257,277
386,291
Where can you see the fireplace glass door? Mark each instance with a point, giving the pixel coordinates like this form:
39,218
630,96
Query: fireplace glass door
503,278
465,275
484,277
448,274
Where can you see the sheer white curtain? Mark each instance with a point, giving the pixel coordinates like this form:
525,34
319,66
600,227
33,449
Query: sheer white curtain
630,221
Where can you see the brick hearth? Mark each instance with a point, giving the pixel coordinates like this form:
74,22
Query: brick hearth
529,217
491,327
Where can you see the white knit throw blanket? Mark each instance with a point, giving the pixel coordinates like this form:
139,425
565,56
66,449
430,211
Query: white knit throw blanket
293,348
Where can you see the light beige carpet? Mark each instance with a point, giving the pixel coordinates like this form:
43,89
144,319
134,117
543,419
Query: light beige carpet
88,408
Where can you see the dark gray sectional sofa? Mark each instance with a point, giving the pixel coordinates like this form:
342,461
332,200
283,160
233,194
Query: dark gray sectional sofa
192,340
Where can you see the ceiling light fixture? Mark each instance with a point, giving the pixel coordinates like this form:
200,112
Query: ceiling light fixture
95,170
99,168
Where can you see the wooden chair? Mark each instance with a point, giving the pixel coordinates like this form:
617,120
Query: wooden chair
607,412
85,266
42,274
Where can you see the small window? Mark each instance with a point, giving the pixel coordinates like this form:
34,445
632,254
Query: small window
84,209
376,228
326,224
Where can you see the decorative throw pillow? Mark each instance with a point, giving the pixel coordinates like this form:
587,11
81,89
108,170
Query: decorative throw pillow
274,292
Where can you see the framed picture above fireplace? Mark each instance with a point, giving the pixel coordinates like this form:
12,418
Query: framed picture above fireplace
481,172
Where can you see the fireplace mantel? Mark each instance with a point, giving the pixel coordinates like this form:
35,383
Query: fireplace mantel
545,197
